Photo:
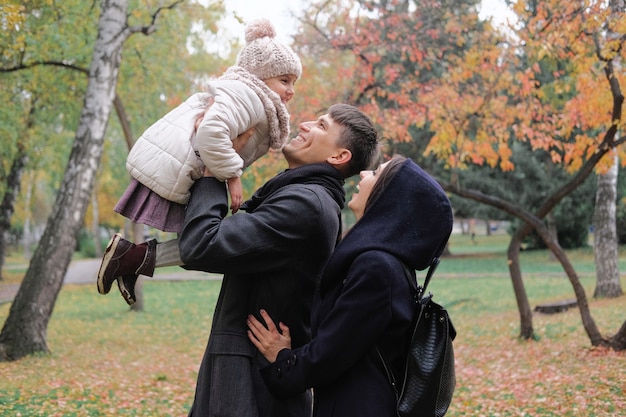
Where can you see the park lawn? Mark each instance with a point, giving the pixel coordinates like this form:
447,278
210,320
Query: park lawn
108,361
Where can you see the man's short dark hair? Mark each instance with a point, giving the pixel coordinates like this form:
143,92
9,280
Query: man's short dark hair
358,136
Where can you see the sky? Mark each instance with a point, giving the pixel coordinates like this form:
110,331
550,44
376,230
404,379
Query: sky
279,13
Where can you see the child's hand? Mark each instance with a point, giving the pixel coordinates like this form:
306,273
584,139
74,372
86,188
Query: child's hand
242,140
236,193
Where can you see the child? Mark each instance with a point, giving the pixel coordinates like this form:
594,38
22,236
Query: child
202,132
170,155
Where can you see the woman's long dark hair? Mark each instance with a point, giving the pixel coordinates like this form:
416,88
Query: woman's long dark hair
388,173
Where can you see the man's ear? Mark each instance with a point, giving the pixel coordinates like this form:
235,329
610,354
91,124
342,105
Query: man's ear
341,157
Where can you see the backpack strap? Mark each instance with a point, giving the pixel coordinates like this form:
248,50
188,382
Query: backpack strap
431,270
419,292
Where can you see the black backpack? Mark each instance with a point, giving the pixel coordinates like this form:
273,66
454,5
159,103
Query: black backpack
429,379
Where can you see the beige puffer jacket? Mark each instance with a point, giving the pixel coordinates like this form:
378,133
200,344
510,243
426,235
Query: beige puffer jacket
165,157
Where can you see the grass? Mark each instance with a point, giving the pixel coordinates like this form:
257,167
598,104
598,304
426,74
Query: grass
108,361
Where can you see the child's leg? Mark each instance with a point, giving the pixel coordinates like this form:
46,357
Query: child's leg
164,254
124,261
168,254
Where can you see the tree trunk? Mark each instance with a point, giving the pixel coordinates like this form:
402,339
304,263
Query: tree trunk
618,342
581,298
24,331
605,236
27,235
533,221
137,231
525,313
95,226
542,230
552,229
7,207
138,237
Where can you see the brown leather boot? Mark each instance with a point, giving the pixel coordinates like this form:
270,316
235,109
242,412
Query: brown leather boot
123,258
126,283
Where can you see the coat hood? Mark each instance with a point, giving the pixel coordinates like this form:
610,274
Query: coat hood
411,219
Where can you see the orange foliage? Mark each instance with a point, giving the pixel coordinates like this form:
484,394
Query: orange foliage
542,81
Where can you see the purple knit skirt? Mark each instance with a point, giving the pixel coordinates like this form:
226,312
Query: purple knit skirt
142,205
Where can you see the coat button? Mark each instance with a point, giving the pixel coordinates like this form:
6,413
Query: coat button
279,372
293,360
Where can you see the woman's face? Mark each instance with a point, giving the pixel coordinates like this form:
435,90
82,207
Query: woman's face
364,189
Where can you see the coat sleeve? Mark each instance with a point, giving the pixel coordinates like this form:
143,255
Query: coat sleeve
251,243
162,158
345,336
236,109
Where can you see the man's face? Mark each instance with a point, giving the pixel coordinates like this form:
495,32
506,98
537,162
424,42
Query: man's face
316,142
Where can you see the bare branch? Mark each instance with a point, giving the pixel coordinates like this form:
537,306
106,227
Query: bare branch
147,30
61,64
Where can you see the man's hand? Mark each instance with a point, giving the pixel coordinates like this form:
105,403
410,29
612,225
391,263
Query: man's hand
242,140
238,144
200,117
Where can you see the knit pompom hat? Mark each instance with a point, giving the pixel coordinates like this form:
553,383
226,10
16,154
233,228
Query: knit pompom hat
264,56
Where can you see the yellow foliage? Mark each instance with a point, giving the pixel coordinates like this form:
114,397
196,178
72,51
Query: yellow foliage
606,162
11,16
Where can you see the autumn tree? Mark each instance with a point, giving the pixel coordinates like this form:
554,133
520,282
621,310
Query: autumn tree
32,125
57,47
24,331
577,131
426,71
383,57
575,134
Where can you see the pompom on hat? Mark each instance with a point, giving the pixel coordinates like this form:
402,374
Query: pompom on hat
264,56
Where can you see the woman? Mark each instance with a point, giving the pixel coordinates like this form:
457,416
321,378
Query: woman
363,300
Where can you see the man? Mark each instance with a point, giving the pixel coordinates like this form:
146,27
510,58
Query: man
271,257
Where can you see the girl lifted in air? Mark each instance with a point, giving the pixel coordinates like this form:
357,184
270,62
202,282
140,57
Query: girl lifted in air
202,132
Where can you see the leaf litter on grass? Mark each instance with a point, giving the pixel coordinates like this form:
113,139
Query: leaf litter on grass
561,375
108,361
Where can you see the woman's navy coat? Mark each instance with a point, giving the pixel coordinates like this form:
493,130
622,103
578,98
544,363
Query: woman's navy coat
365,300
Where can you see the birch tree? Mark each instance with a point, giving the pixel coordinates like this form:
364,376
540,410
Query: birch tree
605,234
605,245
24,331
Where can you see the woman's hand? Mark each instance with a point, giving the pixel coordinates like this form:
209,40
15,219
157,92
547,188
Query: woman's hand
269,340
